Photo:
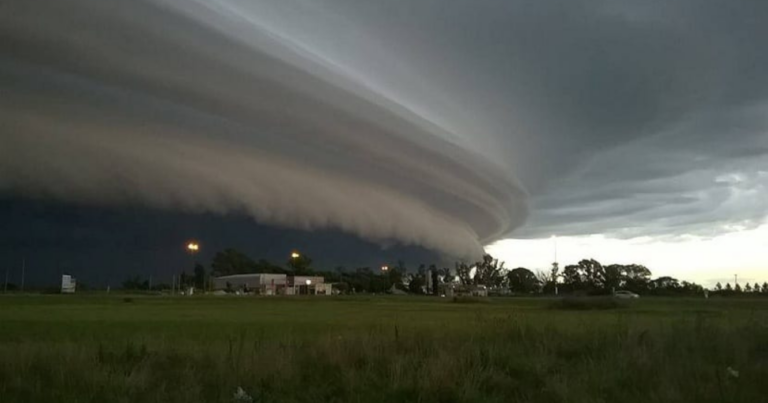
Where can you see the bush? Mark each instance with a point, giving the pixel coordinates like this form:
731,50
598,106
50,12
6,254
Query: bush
589,303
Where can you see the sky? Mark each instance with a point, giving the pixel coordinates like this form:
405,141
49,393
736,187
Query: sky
634,131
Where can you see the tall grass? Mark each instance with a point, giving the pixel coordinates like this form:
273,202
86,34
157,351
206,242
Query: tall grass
590,303
486,358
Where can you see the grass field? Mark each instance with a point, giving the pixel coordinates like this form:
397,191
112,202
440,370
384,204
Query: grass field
379,349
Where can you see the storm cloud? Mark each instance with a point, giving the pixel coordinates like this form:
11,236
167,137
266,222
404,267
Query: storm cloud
434,123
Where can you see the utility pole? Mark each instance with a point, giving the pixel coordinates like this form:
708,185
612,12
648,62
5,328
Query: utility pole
150,282
23,270
555,267
554,239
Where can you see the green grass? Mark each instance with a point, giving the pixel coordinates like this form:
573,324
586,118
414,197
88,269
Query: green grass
587,303
379,349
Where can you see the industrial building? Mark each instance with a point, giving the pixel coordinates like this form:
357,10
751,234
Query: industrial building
273,284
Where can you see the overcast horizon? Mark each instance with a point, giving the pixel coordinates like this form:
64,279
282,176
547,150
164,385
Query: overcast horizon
635,132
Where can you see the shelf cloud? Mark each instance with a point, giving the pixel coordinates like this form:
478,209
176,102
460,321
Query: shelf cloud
181,105
443,124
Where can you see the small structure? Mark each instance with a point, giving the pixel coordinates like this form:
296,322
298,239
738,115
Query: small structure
456,290
273,284
308,285
258,283
68,284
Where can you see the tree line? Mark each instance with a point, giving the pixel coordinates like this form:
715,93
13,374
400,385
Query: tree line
588,276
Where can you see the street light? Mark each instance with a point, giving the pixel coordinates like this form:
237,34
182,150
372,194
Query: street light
309,282
295,255
384,268
192,248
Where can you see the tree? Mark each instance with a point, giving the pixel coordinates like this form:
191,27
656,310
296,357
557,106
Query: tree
433,274
417,283
265,266
765,288
489,272
691,288
572,276
592,273
231,261
737,288
300,265
446,275
184,279
614,277
463,273
728,287
666,283
395,275
522,280
718,287
199,277
747,288
545,281
636,278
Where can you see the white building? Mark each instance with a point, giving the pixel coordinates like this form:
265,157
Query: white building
260,283
308,285
273,284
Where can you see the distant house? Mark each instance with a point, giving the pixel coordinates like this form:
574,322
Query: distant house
272,284
454,290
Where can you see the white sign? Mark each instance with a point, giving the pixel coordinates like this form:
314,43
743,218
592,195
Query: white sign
68,284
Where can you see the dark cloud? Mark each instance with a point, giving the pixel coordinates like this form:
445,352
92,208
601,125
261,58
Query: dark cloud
103,246
433,123
146,103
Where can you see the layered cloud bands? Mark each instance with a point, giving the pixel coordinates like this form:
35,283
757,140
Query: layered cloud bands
399,121
194,106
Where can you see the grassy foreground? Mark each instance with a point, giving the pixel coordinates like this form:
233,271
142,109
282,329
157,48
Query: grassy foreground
379,349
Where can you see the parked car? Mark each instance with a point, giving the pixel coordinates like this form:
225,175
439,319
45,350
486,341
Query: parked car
625,295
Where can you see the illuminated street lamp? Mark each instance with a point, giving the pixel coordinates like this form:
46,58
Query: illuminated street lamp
309,282
295,255
192,248
384,268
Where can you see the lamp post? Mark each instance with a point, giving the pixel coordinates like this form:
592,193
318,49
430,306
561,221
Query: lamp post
309,282
192,248
295,255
